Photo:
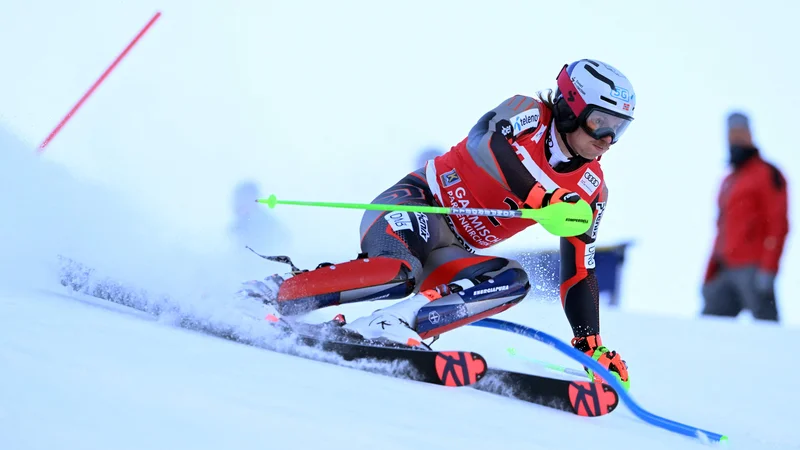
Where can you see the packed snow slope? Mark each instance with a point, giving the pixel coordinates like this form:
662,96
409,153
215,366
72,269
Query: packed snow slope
81,372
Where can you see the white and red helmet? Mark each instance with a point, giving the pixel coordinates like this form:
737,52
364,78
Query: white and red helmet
595,96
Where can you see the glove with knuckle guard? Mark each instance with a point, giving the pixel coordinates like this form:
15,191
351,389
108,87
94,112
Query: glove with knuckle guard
539,197
611,360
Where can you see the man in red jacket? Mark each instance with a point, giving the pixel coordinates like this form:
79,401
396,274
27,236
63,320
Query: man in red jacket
751,230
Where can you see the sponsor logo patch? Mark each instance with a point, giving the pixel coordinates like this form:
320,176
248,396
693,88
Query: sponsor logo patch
525,120
601,207
490,290
589,182
422,221
399,220
588,256
450,178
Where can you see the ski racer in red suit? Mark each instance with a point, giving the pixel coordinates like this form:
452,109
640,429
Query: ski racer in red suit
525,153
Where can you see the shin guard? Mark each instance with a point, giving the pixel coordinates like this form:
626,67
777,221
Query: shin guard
379,278
466,304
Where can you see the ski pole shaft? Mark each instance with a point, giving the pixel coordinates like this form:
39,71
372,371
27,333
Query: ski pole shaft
272,201
560,219
569,371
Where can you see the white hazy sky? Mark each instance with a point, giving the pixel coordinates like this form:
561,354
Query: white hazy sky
333,100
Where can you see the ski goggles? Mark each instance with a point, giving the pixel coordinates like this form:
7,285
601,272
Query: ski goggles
599,123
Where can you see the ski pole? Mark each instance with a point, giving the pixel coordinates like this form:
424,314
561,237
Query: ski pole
561,219
578,373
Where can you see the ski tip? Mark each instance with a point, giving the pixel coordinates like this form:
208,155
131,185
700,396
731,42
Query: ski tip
592,399
460,368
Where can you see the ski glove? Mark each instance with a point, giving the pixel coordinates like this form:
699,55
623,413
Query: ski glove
594,348
538,197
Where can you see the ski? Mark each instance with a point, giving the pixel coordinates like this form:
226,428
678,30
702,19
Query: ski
460,368
583,398
446,368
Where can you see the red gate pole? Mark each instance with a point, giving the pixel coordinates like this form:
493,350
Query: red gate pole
97,83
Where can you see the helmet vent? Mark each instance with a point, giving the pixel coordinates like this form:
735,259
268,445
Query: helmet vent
613,102
599,76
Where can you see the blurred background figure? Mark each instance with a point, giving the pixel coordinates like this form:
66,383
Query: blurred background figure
752,226
253,225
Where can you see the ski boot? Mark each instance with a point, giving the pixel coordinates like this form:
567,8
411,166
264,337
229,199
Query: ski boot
394,325
593,347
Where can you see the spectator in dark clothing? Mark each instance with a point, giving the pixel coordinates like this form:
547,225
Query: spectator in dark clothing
751,231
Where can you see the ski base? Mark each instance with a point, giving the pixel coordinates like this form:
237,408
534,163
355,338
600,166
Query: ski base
447,368
583,398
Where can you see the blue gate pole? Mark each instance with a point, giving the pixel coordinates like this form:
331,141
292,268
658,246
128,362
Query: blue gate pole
609,378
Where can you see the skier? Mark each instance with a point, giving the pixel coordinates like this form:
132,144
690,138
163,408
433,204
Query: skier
525,153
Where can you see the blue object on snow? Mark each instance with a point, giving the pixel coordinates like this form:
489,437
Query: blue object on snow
585,360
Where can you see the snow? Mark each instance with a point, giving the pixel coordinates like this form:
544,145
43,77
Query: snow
137,189
85,373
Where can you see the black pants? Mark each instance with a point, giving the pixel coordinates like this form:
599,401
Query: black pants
412,252
424,241
734,290
433,252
